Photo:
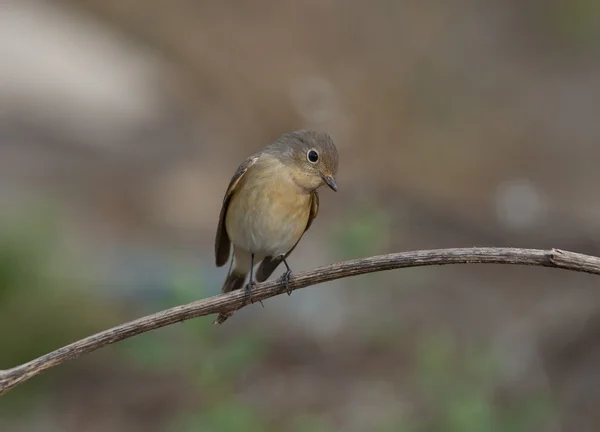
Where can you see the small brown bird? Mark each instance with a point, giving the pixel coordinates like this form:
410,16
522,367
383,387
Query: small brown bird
271,201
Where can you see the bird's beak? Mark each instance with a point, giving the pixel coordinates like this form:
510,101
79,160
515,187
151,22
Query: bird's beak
330,182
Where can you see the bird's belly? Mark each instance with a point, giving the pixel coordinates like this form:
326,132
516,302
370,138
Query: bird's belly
267,224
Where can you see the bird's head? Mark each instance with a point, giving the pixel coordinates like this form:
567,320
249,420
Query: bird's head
312,157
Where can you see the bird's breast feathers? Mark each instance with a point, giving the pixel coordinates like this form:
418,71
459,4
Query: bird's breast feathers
268,213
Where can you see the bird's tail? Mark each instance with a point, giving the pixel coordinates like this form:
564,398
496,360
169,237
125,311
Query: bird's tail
234,281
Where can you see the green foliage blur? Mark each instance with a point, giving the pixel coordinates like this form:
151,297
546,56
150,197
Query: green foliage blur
461,386
576,22
363,232
37,309
210,365
37,314
458,384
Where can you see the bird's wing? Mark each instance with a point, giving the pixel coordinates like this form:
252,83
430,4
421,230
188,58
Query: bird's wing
222,241
269,264
314,210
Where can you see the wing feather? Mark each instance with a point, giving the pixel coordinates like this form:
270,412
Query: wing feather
222,241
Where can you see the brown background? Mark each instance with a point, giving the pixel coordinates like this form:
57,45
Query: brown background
458,124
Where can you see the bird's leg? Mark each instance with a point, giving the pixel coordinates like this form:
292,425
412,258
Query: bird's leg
251,284
285,277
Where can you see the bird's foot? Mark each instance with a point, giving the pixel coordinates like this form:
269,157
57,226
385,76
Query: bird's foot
286,278
249,286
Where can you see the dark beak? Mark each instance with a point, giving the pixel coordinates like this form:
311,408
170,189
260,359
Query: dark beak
330,182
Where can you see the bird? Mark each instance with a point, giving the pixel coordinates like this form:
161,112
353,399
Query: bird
271,201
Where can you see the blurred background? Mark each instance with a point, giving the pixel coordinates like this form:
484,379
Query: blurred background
460,123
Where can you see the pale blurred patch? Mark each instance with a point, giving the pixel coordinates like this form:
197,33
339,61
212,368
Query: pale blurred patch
520,204
66,69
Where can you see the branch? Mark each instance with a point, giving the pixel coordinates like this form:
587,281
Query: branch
232,301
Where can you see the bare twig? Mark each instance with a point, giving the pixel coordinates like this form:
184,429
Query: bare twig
232,301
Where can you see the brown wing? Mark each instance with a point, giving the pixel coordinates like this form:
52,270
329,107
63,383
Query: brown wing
314,210
269,264
222,242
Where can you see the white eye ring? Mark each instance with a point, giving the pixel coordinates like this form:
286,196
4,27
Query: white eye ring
312,156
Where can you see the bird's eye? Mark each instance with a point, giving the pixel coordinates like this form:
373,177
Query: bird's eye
312,156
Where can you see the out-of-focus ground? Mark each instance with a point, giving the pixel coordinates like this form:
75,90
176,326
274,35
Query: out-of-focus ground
458,123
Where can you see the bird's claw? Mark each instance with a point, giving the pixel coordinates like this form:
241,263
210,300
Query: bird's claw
286,279
249,286
248,290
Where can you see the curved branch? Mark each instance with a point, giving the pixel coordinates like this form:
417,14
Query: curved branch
235,300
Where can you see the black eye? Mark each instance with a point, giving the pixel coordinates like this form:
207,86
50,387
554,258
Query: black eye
312,156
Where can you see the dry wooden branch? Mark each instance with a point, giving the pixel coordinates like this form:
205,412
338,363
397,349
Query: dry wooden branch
232,301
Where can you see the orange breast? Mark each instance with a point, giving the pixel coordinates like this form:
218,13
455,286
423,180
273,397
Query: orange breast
268,213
